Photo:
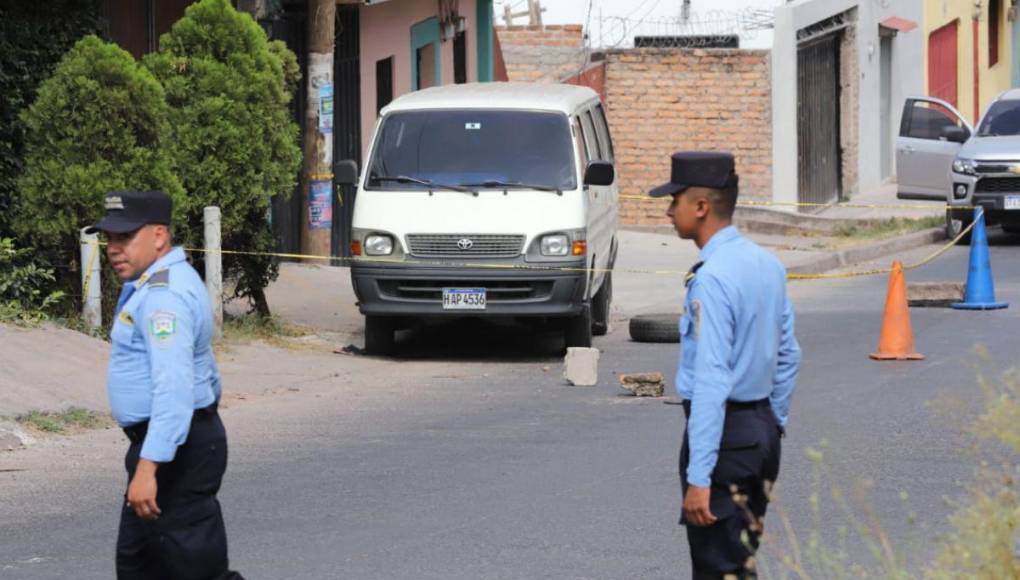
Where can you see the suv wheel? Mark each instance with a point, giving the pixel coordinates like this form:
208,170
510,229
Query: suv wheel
601,305
957,220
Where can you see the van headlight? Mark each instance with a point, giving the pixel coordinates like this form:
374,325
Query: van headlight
964,166
378,245
555,245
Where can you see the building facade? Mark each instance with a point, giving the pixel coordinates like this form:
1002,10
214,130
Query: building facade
969,52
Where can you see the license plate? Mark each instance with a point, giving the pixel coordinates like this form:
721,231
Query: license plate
1013,202
463,298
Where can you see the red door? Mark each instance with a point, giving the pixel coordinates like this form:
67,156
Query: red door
942,70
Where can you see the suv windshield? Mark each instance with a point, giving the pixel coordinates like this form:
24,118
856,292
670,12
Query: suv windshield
474,147
1002,119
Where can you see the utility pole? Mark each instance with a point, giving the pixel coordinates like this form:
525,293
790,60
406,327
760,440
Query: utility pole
509,14
535,13
317,177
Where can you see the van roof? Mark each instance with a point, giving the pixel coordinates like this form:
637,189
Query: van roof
497,95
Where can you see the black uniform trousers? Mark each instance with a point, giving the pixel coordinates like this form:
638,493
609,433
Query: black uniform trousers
742,481
188,541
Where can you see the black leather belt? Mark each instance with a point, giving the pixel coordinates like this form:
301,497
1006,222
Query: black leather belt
136,433
734,405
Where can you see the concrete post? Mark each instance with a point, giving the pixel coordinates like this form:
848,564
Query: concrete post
214,266
91,303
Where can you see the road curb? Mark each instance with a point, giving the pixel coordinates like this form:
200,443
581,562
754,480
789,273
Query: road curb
866,252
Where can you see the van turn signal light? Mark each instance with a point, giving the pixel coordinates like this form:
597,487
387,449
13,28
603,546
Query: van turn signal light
580,248
355,247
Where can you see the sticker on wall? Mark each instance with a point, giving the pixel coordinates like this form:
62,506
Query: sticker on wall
473,126
320,204
326,109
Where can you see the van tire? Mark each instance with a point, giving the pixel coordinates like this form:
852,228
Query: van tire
577,329
378,335
600,307
655,328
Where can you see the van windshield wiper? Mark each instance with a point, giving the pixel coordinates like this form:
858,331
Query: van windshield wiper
426,182
506,184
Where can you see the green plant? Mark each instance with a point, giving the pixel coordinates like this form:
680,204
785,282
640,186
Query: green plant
34,36
74,418
99,124
23,298
234,144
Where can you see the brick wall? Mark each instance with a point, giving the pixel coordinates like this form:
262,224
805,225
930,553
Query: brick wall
665,100
542,54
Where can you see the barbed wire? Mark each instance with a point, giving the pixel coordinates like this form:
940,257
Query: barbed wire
619,31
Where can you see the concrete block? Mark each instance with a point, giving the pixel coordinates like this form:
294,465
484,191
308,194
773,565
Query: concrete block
934,294
644,384
581,366
13,437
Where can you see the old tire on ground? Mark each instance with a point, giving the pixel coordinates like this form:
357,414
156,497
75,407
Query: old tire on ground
600,307
655,328
577,329
378,335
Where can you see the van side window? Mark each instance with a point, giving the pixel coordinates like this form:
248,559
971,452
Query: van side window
589,135
580,136
602,128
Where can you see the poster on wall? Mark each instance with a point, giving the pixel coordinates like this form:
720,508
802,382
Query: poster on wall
320,204
326,109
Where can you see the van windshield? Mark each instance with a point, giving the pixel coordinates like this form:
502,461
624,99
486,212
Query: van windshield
472,147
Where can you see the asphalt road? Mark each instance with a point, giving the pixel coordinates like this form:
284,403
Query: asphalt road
467,456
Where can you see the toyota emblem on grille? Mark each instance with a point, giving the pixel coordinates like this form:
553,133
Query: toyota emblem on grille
465,244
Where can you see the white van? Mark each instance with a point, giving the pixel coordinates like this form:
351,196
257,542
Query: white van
493,199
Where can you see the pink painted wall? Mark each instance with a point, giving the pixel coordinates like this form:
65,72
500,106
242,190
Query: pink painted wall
386,31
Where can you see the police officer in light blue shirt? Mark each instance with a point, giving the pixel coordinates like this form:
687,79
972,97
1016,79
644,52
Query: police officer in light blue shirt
738,368
164,388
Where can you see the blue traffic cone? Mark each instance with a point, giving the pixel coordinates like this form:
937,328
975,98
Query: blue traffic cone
980,294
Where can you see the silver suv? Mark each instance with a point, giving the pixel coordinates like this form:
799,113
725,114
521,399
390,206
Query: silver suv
940,156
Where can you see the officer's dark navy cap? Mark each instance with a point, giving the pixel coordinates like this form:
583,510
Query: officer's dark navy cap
126,211
698,169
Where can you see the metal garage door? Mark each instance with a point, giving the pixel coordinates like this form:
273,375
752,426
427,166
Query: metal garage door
818,116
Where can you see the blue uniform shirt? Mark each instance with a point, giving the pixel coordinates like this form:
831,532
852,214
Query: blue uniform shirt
737,342
161,362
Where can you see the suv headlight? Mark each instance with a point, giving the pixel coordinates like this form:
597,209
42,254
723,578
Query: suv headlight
555,245
378,245
964,166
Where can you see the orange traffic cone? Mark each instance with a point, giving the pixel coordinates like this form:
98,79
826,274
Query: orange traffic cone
897,340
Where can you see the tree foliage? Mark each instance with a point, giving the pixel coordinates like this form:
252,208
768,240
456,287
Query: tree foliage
99,124
234,144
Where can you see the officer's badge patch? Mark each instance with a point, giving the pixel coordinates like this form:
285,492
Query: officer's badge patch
696,316
162,327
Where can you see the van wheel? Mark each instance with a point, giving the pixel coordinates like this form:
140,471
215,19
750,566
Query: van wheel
577,330
378,335
957,220
600,307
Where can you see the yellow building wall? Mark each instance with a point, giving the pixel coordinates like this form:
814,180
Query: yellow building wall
991,81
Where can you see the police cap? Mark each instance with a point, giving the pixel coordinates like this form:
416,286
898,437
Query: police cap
698,169
126,211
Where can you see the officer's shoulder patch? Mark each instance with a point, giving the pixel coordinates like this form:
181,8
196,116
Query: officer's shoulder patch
126,318
162,327
160,279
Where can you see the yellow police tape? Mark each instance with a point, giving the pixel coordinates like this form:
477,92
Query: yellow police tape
841,204
363,260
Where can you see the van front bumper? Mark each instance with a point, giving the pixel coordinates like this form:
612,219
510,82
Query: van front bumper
415,290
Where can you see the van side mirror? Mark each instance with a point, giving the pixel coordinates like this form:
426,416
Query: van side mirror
345,172
599,173
954,134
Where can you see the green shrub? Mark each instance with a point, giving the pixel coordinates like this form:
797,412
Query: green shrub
234,144
34,36
99,124
23,284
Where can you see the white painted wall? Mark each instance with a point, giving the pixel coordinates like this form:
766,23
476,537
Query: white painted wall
907,80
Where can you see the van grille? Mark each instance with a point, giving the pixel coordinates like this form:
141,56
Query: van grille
465,245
